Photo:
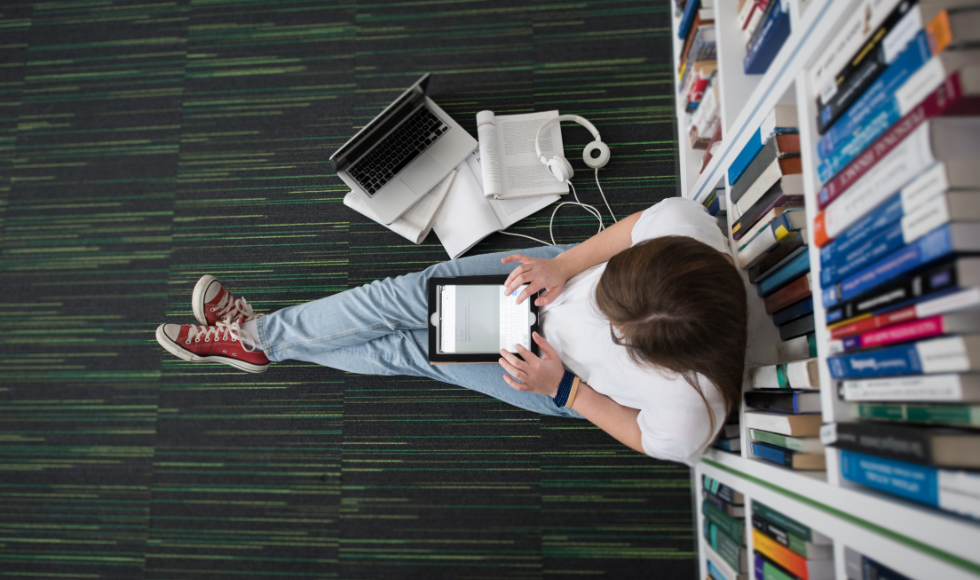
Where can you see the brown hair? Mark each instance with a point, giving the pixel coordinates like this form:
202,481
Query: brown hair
678,304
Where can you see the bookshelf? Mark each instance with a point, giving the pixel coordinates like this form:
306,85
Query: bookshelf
920,542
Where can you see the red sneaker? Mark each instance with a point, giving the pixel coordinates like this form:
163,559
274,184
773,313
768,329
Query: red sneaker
220,343
212,302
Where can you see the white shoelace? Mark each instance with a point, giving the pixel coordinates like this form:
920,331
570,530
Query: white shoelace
231,331
228,309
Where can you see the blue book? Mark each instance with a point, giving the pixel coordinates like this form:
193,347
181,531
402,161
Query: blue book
794,269
688,18
870,225
879,94
946,489
781,120
793,311
714,572
883,244
745,156
941,242
765,45
955,353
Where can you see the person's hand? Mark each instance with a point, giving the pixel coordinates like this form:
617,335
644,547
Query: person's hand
536,375
538,274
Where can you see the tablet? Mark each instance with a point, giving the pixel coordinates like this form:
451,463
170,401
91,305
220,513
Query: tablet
470,320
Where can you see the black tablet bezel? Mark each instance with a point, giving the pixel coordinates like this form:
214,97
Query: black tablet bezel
434,356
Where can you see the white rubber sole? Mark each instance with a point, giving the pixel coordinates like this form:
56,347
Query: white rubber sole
182,353
197,299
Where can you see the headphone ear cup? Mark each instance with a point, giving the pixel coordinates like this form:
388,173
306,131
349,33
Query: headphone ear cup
596,162
561,168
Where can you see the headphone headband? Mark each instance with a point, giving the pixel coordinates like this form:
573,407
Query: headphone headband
580,120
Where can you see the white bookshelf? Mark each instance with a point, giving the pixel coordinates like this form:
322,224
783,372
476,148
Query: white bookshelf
920,542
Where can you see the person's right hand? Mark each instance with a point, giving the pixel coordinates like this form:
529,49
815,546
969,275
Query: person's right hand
538,274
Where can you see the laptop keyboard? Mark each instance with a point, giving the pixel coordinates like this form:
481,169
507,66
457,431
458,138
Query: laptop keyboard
397,150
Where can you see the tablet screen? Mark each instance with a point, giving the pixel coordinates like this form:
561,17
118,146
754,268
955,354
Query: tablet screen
480,319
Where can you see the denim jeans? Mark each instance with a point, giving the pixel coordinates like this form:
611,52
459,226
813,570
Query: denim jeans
381,328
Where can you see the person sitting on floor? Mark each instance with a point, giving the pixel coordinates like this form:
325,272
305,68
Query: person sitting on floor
649,315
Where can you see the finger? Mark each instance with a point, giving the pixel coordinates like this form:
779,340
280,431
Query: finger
527,355
514,384
548,297
531,290
546,347
509,284
513,258
513,360
517,374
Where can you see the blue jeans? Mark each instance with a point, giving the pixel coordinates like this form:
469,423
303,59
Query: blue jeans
381,329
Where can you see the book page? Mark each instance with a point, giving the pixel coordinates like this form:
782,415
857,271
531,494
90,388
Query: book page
465,217
522,174
511,211
486,131
416,223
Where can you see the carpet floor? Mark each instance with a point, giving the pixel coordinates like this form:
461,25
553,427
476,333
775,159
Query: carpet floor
145,143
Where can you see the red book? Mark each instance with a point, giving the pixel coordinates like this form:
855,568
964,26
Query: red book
948,99
915,330
790,294
874,323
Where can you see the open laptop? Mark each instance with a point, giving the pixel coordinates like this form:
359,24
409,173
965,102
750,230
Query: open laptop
402,153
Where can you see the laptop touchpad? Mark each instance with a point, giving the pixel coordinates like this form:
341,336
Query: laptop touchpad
421,175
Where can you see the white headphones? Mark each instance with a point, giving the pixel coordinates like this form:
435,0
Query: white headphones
558,165
563,172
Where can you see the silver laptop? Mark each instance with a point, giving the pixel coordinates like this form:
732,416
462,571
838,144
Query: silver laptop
402,153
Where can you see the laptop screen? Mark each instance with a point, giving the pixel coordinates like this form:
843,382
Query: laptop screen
380,125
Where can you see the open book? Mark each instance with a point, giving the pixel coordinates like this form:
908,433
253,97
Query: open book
511,168
467,216
416,223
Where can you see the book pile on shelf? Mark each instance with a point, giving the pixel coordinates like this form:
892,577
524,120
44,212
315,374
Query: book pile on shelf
717,205
899,233
729,438
785,549
765,26
697,84
723,511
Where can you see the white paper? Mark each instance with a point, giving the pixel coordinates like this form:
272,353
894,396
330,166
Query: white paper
511,167
465,217
416,223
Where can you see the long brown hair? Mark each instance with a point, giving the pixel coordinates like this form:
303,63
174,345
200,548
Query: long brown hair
676,303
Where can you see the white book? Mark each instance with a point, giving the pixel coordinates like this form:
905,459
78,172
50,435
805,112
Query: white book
795,349
800,374
927,388
510,165
791,184
795,425
416,223
467,216
949,207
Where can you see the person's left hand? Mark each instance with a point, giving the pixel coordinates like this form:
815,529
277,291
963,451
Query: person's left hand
537,375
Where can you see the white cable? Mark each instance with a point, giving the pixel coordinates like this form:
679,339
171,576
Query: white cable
592,210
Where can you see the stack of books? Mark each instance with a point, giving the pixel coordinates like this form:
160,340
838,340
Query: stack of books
783,419
697,84
765,26
724,530
785,549
729,438
899,234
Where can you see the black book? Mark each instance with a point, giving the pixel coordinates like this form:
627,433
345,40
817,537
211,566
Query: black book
947,448
793,311
859,72
784,401
776,259
770,151
773,197
964,272
798,327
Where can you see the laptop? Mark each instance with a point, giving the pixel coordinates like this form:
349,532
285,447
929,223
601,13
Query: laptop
402,153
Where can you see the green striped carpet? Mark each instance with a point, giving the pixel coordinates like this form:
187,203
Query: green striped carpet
145,143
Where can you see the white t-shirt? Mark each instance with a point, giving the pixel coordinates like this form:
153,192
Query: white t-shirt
673,419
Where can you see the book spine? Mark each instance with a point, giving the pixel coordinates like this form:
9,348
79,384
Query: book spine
717,574
915,330
874,323
793,312
773,454
881,245
864,229
951,354
860,78
782,402
777,258
724,546
755,168
927,388
795,268
891,441
725,522
915,482
930,247
796,328
766,570
788,559
744,157
778,230
688,18
790,525
932,106
793,292
719,489
762,50
881,91
962,415
771,199
719,503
